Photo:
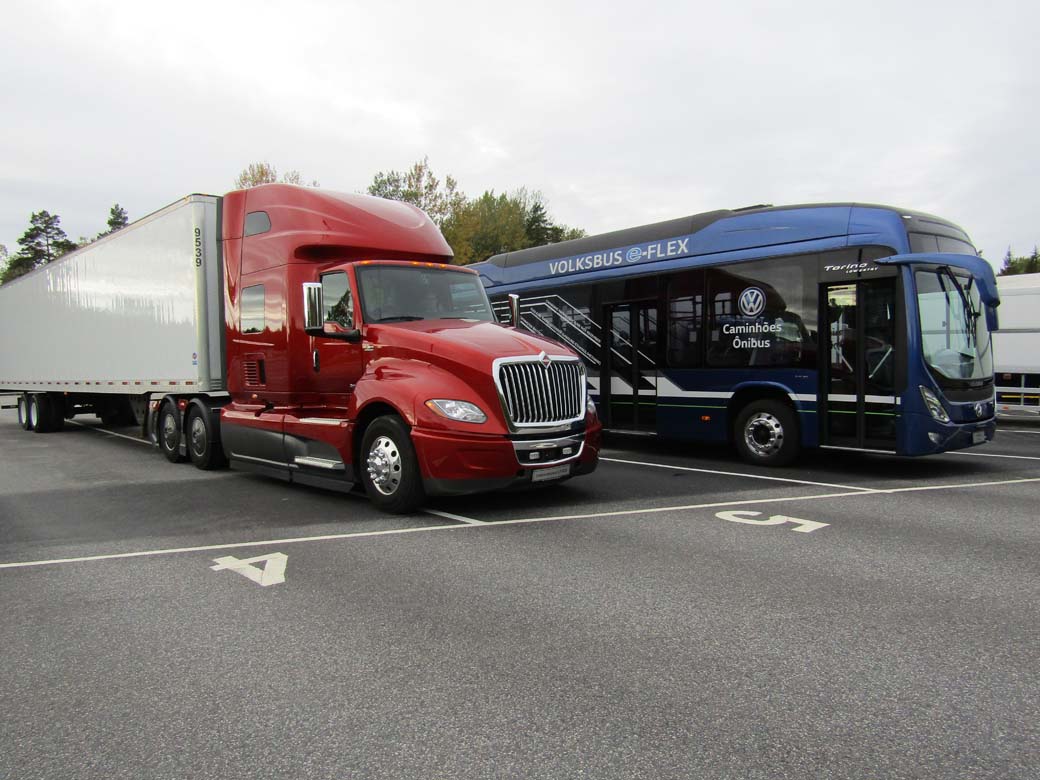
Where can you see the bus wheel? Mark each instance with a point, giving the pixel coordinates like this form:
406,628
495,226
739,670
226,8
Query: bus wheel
766,432
390,470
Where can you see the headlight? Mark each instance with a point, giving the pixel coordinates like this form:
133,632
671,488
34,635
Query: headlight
935,407
462,411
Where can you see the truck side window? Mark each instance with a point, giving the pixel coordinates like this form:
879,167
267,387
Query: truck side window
339,306
253,309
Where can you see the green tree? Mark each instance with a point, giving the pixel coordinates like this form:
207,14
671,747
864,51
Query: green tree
255,174
42,243
117,218
474,228
1027,264
420,187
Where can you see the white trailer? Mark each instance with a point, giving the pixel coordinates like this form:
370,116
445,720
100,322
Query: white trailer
1016,346
136,313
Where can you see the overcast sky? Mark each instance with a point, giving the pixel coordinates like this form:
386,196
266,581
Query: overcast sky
619,113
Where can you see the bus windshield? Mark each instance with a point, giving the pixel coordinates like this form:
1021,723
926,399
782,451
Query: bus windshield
405,293
954,335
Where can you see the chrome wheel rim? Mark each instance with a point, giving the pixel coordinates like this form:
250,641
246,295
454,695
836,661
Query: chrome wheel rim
384,465
198,437
34,413
169,431
763,434
23,413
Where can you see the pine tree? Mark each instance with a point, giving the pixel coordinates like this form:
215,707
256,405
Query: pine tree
42,243
117,219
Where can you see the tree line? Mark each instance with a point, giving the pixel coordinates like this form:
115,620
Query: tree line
1026,264
44,242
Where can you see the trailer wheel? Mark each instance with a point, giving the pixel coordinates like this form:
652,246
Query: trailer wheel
170,434
41,414
390,470
204,441
23,412
766,433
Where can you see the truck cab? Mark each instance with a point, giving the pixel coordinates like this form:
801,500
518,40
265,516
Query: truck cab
357,354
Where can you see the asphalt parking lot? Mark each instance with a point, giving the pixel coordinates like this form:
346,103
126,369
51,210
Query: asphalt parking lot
675,614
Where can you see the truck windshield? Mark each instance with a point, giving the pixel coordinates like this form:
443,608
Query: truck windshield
403,293
954,335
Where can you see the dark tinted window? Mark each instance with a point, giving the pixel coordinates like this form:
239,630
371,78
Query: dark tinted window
926,242
252,316
564,315
257,222
763,314
955,247
339,306
685,315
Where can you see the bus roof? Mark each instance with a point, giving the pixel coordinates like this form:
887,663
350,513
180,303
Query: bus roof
774,218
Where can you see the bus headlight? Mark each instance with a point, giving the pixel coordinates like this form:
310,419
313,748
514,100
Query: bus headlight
462,411
935,406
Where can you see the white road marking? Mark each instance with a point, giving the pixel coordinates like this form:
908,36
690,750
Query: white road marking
992,455
522,521
110,433
732,474
450,516
1015,430
273,572
804,526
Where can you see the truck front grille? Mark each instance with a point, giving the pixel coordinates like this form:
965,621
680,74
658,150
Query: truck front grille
542,392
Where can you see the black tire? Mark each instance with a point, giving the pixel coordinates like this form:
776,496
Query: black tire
203,441
23,412
170,433
766,433
56,403
389,468
41,413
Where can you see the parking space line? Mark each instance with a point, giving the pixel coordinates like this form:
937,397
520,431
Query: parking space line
859,492
993,455
109,433
734,474
450,516
1015,430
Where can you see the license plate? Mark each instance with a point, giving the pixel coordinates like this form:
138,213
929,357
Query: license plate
977,437
544,475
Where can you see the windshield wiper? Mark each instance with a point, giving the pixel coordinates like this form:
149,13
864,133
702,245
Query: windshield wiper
400,318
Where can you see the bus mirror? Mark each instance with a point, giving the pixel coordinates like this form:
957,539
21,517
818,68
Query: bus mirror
312,309
514,310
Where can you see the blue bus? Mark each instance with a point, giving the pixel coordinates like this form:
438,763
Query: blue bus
847,326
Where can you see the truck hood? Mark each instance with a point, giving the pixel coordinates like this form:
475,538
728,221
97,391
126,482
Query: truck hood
470,343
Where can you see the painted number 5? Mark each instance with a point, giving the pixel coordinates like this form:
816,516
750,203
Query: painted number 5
802,526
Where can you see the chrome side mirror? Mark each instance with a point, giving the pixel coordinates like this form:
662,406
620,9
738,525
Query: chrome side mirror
313,309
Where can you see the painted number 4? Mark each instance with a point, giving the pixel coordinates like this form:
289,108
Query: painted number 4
802,526
272,573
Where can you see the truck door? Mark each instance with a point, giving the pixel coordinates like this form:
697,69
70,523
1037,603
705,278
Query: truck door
317,434
859,365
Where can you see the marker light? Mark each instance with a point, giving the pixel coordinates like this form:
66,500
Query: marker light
461,411
935,407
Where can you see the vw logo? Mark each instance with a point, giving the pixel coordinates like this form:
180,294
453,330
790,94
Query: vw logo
978,410
751,302
633,254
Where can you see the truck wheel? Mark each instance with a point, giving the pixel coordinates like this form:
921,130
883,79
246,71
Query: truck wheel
766,433
23,412
56,404
204,442
170,434
389,468
40,413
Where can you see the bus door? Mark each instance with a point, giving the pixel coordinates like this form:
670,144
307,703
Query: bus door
628,379
858,407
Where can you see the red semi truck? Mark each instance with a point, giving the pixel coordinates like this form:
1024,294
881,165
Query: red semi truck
313,336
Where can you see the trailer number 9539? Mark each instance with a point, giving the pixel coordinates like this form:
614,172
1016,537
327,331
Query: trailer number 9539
198,247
